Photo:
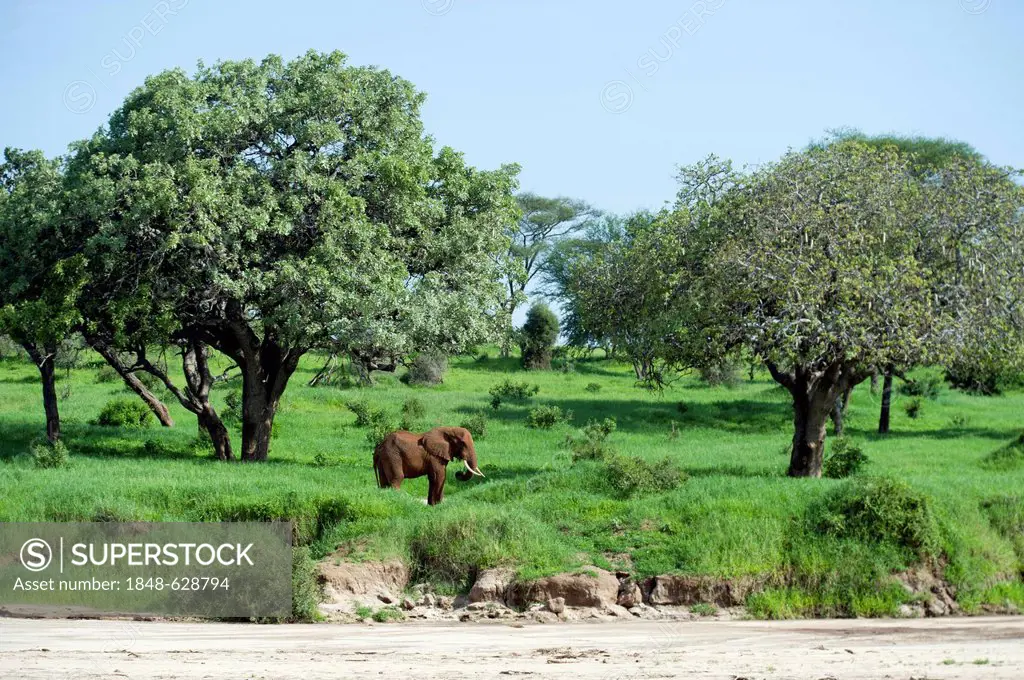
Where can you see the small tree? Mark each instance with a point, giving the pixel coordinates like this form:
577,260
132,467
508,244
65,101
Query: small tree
539,334
542,223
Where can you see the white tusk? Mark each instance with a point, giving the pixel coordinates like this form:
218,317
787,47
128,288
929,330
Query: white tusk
471,470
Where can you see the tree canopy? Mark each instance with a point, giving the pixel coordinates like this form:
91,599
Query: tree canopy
266,209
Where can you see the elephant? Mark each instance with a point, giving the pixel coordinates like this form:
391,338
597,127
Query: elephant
405,455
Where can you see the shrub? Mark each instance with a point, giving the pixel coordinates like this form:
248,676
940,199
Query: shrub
879,510
538,336
682,407
974,378
107,374
593,387
232,414
845,459
545,417
413,411
913,407
126,413
322,460
631,476
476,424
959,421
428,368
362,411
47,454
927,387
306,593
592,444
720,374
388,614
510,390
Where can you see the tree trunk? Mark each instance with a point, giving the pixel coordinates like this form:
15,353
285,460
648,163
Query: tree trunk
883,418
839,411
158,408
815,393
811,411
263,383
213,426
44,361
258,410
195,365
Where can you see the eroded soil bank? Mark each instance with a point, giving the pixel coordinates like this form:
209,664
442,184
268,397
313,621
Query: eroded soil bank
384,591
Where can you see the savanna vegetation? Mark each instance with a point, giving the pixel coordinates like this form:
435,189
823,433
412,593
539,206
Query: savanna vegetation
806,375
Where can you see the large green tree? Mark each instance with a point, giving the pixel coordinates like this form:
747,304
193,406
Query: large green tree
270,208
840,259
38,288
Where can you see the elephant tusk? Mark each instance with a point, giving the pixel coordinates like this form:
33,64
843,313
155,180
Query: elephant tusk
471,470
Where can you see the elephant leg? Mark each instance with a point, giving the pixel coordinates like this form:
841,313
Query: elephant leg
436,476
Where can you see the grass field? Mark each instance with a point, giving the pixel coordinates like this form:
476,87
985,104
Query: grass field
820,547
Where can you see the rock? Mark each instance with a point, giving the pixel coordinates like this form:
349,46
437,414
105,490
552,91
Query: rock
492,585
936,607
619,611
592,587
545,617
419,589
408,604
556,605
630,594
428,600
345,581
445,602
911,611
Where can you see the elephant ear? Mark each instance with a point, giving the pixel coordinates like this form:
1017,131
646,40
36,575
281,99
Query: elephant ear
437,445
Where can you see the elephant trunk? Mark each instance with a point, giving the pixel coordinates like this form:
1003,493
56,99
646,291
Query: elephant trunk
469,460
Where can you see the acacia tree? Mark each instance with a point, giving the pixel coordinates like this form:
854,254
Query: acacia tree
542,223
37,289
271,208
841,260
928,157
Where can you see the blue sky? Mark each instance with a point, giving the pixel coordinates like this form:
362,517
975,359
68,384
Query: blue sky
597,100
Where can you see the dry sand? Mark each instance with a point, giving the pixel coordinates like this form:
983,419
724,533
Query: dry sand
990,648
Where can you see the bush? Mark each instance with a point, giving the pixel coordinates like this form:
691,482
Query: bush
631,476
927,387
232,414
593,387
720,374
592,444
362,410
413,411
476,424
126,413
545,417
913,407
510,390
879,510
428,368
845,459
388,614
49,455
974,378
306,593
538,336
107,374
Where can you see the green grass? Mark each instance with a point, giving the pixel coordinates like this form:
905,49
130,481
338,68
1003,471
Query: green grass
733,513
